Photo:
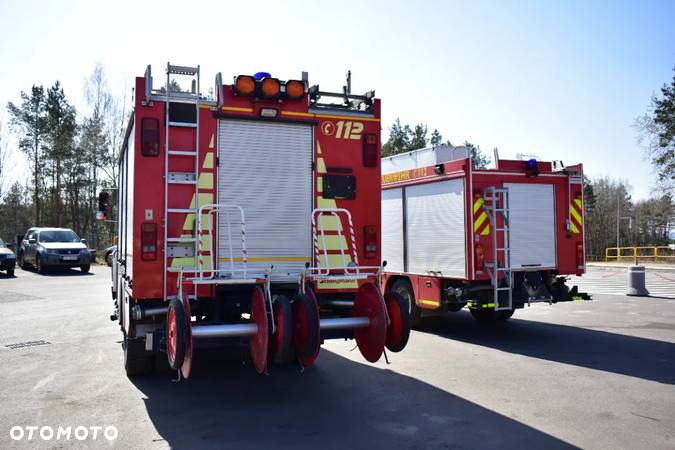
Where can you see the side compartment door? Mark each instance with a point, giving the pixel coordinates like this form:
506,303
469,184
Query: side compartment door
392,229
435,228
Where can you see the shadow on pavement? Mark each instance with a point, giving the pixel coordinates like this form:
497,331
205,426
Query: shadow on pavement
610,352
338,404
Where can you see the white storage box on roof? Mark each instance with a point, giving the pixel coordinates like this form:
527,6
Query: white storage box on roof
423,157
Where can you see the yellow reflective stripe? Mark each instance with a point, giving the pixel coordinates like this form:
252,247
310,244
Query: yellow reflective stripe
429,302
319,184
485,231
574,228
334,261
235,108
578,202
205,180
204,199
320,165
479,221
333,242
477,204
208,161
327,284
326,203
575,214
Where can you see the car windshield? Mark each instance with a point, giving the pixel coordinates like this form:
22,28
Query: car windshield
58,236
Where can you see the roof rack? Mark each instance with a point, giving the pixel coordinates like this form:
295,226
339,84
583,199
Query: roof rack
350,102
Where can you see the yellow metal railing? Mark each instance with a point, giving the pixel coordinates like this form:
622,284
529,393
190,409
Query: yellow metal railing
656,253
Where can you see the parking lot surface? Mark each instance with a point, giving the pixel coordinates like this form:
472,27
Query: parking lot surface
597,374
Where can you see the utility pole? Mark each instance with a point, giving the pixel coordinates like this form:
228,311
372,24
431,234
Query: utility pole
618,219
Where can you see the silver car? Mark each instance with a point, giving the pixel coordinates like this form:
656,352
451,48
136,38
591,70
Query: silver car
7,259
54,247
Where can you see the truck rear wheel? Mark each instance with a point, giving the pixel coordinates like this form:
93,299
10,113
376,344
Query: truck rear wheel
404,289
490,315
136,360
282,341
176,334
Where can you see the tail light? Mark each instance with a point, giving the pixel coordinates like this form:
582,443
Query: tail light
480,259
148,241
370,239
580,256
370,150
150,137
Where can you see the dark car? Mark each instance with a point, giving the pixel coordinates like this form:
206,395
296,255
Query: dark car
53,247
7,259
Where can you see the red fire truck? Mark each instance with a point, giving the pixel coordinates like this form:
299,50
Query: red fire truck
491,240
253,214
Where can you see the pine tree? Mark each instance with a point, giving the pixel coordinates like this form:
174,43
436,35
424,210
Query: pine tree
30,123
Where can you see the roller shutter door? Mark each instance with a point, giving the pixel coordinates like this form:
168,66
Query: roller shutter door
532,225
266,169
436,228
392,229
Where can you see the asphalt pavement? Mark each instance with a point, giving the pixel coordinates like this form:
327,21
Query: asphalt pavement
598,374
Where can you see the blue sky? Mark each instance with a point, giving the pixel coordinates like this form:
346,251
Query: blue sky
561,80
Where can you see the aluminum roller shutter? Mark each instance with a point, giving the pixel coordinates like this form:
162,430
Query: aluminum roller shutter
392,229
532,225
436,228
266,168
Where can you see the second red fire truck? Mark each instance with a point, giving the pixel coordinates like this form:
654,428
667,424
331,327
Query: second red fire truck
252,215
492,240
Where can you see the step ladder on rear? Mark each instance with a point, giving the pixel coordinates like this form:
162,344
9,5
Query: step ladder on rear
180,246
496,201
327,224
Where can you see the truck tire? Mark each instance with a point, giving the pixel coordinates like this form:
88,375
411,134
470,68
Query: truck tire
176,334
490,315
282,340
136,360
403,288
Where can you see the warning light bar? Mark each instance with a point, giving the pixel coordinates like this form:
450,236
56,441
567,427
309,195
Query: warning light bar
263,85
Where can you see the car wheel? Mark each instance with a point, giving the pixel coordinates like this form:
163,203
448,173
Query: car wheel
10,272
108,259
85,268
38,264
22,262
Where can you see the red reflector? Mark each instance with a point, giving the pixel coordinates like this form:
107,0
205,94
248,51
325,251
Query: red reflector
150,137
371,153
370,241
580,255
148,241
480,258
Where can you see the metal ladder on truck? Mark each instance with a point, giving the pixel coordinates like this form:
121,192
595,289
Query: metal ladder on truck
180,246
496,201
